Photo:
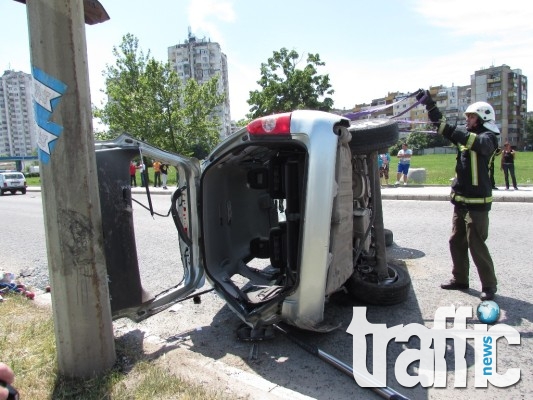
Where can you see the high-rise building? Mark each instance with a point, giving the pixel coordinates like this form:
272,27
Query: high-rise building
18,133
201,59
506,90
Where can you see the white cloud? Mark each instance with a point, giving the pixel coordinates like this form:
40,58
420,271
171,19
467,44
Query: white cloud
483,18
494,34
204,15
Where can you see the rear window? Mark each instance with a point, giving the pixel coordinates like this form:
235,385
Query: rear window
14,176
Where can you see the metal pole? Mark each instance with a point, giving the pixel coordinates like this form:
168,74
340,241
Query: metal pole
71,204
379,229
384,392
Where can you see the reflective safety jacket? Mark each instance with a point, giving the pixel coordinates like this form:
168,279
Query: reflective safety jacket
472,188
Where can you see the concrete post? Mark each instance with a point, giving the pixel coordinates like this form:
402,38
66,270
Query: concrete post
73,224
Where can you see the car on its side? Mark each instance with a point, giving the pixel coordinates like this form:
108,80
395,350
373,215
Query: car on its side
12,182
280,216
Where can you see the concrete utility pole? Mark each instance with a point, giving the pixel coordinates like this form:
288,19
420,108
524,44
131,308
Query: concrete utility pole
73,222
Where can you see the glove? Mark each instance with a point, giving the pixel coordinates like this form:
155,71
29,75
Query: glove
420,94
428,101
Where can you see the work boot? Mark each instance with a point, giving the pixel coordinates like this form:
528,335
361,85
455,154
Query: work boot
487,293
452,284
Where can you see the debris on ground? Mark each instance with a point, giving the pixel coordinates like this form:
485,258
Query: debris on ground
8,284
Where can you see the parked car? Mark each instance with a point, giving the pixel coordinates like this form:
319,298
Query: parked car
12,182
281,215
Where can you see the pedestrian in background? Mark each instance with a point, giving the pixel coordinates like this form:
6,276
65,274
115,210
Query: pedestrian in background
508,155
157,173
403,165
133,172
164,174
383,164
142,167
471,192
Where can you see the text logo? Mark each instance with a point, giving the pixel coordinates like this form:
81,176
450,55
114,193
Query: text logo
431,355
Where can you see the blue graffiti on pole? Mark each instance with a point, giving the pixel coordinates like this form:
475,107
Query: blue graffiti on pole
47,92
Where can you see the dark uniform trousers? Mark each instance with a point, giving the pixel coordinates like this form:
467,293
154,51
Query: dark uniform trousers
470,229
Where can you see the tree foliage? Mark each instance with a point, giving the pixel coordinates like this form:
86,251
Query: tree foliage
148,100
284,87
421,138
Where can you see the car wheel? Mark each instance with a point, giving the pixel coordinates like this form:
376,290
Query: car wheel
362,287
389,237
23,191
1,192
13,191
373,135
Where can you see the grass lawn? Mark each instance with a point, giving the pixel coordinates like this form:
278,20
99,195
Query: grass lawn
439,169
28,346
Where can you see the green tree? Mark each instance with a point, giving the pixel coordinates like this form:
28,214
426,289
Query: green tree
284,87
147,99
418,140
423,137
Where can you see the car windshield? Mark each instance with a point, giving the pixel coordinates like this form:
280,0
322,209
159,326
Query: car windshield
14,176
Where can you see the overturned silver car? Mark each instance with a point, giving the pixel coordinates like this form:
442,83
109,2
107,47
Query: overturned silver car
281,215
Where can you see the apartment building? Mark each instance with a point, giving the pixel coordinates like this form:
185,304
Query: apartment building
505,89
18,133
201,59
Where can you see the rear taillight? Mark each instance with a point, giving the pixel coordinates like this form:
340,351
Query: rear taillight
278,124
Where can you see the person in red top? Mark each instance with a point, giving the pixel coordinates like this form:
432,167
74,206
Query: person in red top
133,171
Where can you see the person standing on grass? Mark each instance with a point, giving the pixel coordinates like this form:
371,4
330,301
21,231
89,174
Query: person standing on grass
133,171
383,164
164,174
157,173
508,155
471,192
403,165
142,167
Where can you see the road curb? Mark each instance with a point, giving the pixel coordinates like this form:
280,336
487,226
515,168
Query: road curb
411,192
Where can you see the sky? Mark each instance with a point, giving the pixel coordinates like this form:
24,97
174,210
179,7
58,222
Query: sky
369,48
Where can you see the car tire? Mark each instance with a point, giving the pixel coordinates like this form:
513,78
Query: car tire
373,135
389,237
381,294
1,192
23,191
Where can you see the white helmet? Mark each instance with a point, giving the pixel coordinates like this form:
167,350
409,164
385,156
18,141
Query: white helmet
486,113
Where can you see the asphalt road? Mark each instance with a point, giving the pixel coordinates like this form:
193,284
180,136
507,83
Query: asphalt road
198,340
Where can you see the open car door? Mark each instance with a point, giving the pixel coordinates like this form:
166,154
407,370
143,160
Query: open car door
128,298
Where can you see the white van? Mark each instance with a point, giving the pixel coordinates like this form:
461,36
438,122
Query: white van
12,181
